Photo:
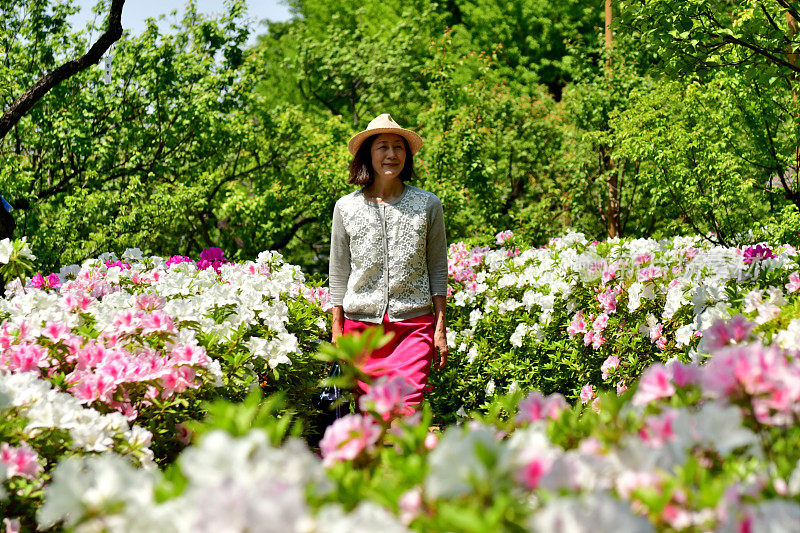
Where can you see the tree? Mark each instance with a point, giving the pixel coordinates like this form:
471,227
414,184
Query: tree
23,104
748,40
155,158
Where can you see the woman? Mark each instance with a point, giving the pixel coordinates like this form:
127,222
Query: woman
388,260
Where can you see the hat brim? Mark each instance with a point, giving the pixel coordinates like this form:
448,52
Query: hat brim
414,140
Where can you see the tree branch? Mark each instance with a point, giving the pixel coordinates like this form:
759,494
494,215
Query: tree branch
20,107
788,7
284,240
760,51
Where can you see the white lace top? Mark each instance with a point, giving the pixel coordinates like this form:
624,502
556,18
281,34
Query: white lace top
387,258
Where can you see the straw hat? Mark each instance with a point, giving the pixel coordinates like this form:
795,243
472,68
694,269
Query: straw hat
385,124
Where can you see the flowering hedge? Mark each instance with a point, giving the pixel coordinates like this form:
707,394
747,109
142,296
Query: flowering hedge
690,448
118,356
148,340
576,317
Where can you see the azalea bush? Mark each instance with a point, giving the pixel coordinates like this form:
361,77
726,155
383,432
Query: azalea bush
689,448
576,316
144,342
587,380
40,426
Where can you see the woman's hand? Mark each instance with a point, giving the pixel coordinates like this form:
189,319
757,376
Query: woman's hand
440,349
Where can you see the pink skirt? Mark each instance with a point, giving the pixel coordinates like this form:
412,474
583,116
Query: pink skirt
407,354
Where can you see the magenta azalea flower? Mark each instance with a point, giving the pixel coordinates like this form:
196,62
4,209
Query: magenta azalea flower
212,254
176,259
759,252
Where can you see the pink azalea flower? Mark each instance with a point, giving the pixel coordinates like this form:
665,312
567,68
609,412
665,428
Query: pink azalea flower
762,375
77,301
56,331
503,236
183,434
6,338
649,273
189,354
758,252
658,429
121,264
597,341
578,325
37,281
212,254
90,356
177,259
126,321
539,407
22,461
431,441
600,323
348,437
590,446
532,473
684,375
587,393
94,387
621,387
12,525
386,397
610,364
410,504
150,302
656,331
26,357
794,282
654,384
676,516
643,258
588,338
721,334
610,272
630,480
608,300
157,322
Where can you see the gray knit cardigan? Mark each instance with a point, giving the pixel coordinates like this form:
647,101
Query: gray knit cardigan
387,258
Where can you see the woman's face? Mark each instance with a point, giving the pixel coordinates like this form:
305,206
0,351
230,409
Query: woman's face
388,155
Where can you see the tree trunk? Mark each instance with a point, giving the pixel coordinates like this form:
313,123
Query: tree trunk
792,26
20,107
612,179
609,35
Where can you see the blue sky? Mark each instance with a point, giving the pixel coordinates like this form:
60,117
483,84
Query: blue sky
136,11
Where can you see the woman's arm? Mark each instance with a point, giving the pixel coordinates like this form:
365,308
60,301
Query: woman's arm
338,271
437,277
337,328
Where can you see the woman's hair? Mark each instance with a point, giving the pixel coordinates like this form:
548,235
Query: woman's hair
361,166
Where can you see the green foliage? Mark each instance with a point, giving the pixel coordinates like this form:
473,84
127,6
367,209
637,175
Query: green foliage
199,140
254,412
693,161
